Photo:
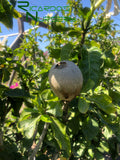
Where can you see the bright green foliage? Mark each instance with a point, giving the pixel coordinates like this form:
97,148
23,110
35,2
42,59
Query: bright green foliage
28,126
90,71
83,105
91,127
104,102
7,12
61,136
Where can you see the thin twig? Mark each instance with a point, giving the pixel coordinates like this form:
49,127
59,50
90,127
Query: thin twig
34,135
39,144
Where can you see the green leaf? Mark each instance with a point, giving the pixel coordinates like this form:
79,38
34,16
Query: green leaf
45,118
89,85
91,64
6,75
59,27
20,93
66,50
114,126
104,146
61,136
55,108
115,95
74,125
104,102
91,153
2,89
27,112
95,44
55,53
74,33
7,12
99,156
83,105
13,2
81,150
90,128
107,132
84,12
28,126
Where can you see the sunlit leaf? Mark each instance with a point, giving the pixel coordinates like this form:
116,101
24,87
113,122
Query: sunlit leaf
91,64
61,136
104,102
28,126
55,108
107,132
45,118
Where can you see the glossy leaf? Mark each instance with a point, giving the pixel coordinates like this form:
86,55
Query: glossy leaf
27,112
61,136
104,146
91,64
104,102
55,108
107,133
28,126
83,105
91,153
45,118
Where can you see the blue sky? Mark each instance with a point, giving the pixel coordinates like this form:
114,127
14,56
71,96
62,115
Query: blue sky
41,14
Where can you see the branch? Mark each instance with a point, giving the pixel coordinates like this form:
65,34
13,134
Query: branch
81,44
39,144
86,24
65,111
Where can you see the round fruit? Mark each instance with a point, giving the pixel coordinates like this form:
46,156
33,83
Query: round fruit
65,80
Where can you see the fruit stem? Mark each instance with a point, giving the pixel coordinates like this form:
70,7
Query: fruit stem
65,111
